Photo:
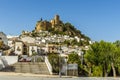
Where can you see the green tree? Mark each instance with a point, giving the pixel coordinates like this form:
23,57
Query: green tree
103,54
115,57
74,58
117,43
54,61
92,58
34,55
1,44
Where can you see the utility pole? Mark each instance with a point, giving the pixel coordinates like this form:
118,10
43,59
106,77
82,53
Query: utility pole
60,65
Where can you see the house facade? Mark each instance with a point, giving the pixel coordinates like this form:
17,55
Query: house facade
18,47
32,49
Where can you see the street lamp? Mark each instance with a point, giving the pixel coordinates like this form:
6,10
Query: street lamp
59,51
82,57
66,59
60,65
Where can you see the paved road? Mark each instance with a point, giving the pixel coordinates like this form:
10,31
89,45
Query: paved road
8,77
27,76
3,77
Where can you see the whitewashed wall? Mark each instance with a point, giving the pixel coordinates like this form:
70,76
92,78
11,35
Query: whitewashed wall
20,45
32,48
11,59
28,39
7,60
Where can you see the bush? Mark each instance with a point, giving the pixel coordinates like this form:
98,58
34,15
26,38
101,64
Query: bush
54,61
97,71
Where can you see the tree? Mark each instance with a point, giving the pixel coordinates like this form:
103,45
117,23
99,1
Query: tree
115,57
74,58
54,61
117,43
103,54
1,44
92,58
34,55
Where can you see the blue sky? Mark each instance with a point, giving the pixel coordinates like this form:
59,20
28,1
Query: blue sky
98,19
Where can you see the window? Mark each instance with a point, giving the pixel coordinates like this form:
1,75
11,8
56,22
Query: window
18,48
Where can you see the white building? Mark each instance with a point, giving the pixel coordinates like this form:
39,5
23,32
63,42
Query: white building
77,38
18,47
32,49
28,39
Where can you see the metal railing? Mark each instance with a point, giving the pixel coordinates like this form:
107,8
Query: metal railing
48,64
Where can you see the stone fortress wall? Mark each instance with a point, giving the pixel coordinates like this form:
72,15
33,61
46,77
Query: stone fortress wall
45,25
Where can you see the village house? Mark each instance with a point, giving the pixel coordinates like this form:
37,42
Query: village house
18,47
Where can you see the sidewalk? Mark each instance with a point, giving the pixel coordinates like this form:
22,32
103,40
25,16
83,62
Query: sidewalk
31,75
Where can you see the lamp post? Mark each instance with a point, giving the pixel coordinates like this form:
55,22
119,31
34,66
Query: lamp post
60,65
66,64
82,57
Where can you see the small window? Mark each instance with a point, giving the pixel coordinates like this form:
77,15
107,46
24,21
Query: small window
18,48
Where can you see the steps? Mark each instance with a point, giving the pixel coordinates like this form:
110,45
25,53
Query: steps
31,67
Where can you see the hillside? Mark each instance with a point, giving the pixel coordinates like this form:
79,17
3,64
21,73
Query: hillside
67,29
56,26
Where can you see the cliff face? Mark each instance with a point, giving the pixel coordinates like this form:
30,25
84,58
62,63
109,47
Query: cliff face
43,25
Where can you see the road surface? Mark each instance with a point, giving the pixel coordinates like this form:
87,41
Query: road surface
12,76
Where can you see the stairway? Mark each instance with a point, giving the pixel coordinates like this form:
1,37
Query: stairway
31,67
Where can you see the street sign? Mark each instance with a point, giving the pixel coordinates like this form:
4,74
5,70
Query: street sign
72,66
